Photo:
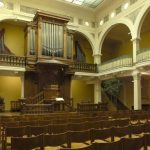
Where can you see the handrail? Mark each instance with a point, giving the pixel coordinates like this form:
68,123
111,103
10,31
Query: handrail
143,55
12,60
36,99
123,61
84,67
143,50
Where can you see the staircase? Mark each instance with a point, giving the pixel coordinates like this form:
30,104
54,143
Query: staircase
116,102
46,100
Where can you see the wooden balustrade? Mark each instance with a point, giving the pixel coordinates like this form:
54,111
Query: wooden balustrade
83,107
43,108
143,55
36,99
12,60
119,62
15,105
36,108
83,67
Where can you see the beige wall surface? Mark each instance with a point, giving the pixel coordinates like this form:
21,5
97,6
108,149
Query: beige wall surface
10,89
14,38
111,51
81,91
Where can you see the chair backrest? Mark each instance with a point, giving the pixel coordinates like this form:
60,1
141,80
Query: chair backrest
88,147
133,143
108,146
121,131
78,126
58,128
94,124
15,131
28,143
78,136
54,139
37,130
43,122
11,124
106,123
137,129
121,122
101,134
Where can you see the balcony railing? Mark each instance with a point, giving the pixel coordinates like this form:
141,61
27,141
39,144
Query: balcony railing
143,55
83,67
123,61
12,60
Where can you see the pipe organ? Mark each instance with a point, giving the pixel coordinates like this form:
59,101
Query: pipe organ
30,39
47,38
52,39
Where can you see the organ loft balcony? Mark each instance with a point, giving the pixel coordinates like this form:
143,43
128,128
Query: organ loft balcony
47,41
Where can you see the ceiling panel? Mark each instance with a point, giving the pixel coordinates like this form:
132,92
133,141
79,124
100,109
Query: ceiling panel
87,3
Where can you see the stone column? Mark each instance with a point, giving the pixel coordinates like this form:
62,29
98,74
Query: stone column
136,47
97,92
137,91
22,85
97,58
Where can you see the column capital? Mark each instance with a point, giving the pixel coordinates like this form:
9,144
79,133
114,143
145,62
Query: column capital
136,39
97,55
136,75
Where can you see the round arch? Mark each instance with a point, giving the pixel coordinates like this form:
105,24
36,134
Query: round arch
105,31
7,17
140,19
87,35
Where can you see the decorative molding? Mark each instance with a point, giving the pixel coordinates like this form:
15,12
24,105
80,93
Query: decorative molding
27,9
93,35
132,16
99,34
9,6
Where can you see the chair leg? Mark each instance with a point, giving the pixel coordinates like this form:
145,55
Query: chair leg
3,140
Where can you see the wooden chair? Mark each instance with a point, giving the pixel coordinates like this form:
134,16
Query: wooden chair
12,132
121,122
120,132
78,126
88,147
102,135
137,130
77,120
11,124
37,130
108,146
147,141
94,124
106,124
53,141
59,121
79,139
43,122
137,143
26,143
29,123
57,128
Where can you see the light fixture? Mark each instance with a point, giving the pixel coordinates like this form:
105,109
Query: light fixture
112,14
87,23
101,22
126,5
78,2
69,1
1,3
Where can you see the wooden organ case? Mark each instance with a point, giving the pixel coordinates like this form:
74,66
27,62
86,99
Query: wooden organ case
49,51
